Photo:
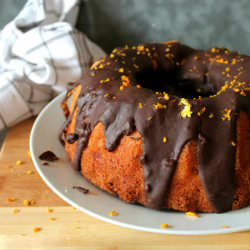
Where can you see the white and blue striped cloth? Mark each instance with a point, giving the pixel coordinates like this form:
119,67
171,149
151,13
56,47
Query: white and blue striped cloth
40,52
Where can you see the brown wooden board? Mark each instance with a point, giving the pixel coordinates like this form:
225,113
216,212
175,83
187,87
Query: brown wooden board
72,229
15,182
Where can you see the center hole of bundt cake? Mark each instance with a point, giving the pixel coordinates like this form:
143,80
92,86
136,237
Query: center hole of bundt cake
162,81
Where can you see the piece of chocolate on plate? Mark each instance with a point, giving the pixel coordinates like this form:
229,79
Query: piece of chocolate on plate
81,189
48,156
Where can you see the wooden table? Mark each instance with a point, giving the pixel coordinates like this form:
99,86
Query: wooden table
72,229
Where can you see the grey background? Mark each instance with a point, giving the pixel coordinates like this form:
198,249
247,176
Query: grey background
198,23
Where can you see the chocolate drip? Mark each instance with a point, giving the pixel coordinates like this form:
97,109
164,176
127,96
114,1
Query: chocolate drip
110,94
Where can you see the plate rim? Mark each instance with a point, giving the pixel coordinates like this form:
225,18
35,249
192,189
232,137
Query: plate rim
100,217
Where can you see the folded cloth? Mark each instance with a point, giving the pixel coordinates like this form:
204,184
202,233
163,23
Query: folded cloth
40,53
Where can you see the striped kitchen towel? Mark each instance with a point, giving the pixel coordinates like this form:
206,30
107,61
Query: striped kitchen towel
40,52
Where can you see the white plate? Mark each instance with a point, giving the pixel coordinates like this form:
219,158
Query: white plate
60,175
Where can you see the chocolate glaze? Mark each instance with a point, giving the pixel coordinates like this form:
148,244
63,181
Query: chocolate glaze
71,138
180,71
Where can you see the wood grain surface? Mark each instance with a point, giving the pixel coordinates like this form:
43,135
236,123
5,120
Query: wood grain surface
72,229
15,182
75,230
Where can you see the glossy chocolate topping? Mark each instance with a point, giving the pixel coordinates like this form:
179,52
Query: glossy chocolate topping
171,94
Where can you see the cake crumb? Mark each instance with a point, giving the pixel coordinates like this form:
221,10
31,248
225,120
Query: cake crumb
10,199
26,202
211,116
112,213
52,218
19,163
164,139
15,211
36,229
201,111
140,47
125,81
164,226
186,112
192,214
159,106
49,210
227,115
225,226
166,96
213,50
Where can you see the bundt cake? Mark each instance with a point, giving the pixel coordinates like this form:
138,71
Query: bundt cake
164,125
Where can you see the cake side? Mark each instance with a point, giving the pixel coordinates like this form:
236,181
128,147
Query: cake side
178,99
120,172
